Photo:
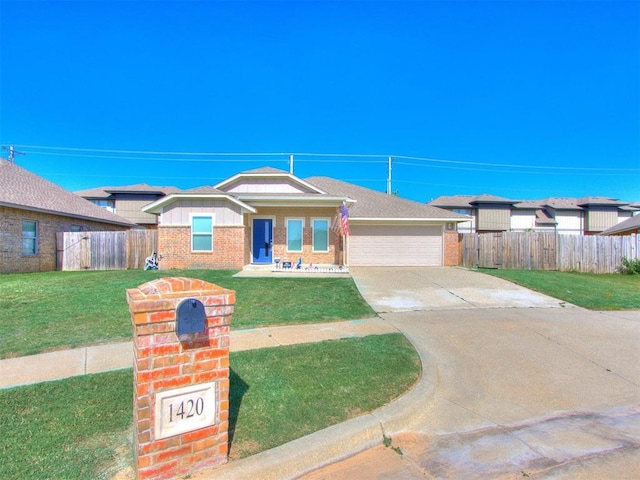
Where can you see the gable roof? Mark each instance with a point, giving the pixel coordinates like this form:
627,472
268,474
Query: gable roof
268,172
374,205
629,225
195,193
22,189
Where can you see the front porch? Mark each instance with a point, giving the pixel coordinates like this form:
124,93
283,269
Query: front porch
305,270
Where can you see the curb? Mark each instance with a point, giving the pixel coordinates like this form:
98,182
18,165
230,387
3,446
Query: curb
338,442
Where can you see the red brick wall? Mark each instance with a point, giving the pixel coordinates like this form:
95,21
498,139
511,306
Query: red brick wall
174,244
333,256
452,249
164,361
11,258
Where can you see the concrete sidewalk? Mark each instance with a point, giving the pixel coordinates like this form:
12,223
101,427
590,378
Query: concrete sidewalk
102,358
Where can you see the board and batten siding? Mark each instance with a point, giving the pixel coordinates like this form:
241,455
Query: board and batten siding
265,185
131,209
494,218
599,219
179,213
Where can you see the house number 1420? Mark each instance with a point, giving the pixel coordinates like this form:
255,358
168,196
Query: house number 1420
186,409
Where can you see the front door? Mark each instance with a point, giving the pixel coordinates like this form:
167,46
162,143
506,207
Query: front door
262,240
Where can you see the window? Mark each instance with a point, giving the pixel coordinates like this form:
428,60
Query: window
106,204
76,228
462,211
29,237
202,233
294,234
320,234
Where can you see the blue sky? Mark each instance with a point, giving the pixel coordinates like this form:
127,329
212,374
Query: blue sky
519,99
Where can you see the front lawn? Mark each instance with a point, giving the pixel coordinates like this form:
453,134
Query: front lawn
81,427
588,290
54,310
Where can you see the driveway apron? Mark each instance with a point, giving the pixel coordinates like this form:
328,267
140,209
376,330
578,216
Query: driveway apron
526,385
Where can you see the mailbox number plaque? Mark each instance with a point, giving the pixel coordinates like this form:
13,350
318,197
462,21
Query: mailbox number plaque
185,409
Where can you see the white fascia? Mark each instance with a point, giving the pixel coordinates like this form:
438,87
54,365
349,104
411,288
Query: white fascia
156,207
293,200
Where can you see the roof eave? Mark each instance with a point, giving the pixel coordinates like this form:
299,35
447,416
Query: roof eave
156,207
68,215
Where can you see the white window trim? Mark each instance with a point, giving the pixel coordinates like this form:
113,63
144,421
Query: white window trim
35,238
286,222
313,234
191,216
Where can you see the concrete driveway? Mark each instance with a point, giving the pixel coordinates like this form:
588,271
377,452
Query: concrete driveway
523,385
418,288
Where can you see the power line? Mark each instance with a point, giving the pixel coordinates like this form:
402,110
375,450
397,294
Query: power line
317,156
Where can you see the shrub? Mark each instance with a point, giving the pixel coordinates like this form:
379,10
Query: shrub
630,266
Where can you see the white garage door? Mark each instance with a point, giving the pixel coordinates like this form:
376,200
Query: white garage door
397,245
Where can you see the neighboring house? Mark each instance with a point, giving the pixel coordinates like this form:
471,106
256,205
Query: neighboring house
33,210
267,215
578,216
629,226
127,201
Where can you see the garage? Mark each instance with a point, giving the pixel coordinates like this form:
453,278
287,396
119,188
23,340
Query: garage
395,245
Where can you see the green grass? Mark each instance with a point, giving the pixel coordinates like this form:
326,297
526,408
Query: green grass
54,310
72,428
588,290
81,428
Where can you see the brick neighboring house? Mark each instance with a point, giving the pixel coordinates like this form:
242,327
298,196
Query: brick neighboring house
127,201
261,215
33,210
577,216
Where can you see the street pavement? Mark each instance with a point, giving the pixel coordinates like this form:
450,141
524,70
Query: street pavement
540,390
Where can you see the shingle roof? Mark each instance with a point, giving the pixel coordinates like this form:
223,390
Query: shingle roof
206,190
142,188
264,170
630,224
600,201
468,201
20,188
485,198
453,201
373,204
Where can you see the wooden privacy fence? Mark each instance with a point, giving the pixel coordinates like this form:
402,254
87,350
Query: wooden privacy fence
548,251
104,250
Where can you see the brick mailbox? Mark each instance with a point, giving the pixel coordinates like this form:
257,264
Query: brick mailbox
181,375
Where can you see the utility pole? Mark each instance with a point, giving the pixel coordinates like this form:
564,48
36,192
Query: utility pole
291,164
389,176
12,153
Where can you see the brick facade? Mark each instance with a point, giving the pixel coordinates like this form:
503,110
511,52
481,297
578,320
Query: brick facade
452,249
11,258
165,363
280,215
174,245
